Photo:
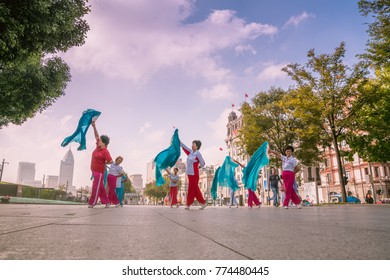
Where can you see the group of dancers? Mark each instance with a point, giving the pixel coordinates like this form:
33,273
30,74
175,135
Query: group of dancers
116,176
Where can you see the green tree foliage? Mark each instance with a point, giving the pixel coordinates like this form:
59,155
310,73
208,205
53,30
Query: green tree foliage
378,46
158,193
31,31
271,118
324,91
30,86
369,134
129,188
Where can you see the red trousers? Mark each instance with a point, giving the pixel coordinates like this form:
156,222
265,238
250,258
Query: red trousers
288,178
173,195
252,198
194,191
111,182
98,190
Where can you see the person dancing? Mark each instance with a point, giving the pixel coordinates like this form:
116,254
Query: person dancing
100,157
289,167
194,162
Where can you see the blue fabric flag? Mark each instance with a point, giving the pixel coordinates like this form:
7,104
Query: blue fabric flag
251,172
79,135
224,177
167,158
214,186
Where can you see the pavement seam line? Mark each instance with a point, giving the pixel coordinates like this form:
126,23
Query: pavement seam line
208,238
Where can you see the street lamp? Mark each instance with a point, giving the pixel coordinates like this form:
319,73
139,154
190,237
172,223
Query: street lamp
2,168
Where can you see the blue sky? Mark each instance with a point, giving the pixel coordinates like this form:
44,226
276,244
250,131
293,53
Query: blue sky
149,66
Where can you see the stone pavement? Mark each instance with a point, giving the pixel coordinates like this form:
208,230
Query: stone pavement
75,232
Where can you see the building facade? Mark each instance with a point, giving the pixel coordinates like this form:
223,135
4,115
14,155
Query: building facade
66,171
26,174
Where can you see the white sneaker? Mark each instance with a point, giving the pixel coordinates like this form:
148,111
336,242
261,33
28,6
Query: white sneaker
203,206
237,206
187,208
285,207
258,206
107,206
90,206
299,206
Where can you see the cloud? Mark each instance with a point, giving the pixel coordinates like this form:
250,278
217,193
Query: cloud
217,92
296,20
145,126
138,39
272,72
248,48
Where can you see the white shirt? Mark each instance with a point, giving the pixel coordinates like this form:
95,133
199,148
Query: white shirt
115,169
173,177
192,159
289,163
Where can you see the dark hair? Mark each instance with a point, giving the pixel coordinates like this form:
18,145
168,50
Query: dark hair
105,139
289,147
197,143
175,169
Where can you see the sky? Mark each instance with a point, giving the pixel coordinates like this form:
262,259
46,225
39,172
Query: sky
151,66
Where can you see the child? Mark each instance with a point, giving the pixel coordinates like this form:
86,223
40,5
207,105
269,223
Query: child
116,171
120,187
173,187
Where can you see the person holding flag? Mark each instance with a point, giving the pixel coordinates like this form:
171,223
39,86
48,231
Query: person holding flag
194,162
100,157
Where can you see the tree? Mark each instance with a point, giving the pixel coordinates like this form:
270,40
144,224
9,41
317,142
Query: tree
271,119
324,90
378,47
158,193
369,134
129,188
31,32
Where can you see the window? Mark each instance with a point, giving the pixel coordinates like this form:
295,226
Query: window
328,178
326,162
318,176
376,171
309,174
365,171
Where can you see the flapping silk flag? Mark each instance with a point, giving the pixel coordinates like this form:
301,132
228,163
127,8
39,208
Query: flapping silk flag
251,171
224,177
226,174
79,135
214,186
167,158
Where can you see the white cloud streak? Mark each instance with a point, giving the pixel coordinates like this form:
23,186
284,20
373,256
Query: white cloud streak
297,20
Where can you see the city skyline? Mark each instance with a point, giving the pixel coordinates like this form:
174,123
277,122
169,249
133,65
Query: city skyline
150,67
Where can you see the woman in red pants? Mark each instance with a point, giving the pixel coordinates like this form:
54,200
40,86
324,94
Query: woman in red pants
289,167
194,162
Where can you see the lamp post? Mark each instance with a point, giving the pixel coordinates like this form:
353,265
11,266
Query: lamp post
2,168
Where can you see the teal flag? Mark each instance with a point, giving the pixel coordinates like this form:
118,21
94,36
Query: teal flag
79,136
214,186
167,158
251,172
224,177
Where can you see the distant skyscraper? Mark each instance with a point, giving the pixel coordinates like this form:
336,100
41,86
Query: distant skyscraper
66,170
26,173
136,181
151,172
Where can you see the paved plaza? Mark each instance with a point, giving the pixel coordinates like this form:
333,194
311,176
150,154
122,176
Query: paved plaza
75,232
